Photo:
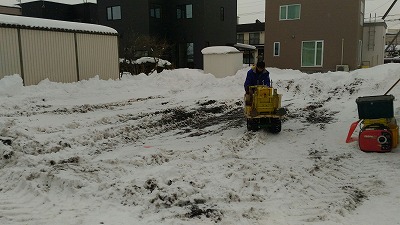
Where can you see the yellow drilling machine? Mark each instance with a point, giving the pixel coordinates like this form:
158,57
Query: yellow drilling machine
263,109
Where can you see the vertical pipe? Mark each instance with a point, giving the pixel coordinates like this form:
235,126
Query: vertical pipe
76,57
341,58
20,56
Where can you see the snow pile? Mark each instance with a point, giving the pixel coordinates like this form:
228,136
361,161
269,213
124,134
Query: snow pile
172,148
10,85
161,62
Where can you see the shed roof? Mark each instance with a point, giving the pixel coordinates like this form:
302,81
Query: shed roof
245,46
46,24
375,22
219,50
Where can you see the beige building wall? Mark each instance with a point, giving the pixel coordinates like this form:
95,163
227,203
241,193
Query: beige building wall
9,52
373,44
97,55
48,55
10,10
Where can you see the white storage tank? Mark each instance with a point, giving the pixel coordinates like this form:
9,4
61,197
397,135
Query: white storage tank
222,61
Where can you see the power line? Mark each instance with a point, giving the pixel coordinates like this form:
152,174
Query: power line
382,5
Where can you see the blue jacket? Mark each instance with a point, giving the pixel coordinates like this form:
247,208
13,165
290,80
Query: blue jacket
254,78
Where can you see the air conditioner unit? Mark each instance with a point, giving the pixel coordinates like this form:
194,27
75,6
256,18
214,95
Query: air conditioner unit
342,68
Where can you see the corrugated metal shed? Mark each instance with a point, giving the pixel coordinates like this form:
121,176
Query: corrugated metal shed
60,51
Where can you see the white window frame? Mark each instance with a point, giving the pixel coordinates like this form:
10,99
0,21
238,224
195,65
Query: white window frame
287,12
184,11
189,11
315,53
277,53
156,11
111,13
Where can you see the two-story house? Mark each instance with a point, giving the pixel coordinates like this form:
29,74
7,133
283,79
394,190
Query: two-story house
189,25
311,36
252,34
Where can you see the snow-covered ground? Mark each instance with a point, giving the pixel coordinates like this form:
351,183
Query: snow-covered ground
172,148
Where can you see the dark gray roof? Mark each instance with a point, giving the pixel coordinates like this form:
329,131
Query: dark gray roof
250,27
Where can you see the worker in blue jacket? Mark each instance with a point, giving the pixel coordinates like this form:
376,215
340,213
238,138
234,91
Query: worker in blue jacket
257,76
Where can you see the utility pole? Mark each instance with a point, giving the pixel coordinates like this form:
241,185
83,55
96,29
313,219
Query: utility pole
390,8
383,17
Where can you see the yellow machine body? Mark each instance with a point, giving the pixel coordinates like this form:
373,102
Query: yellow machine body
263,108
262,101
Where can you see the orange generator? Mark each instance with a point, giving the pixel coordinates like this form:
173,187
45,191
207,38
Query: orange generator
379,130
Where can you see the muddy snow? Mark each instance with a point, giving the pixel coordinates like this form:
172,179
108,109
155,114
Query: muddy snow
173,148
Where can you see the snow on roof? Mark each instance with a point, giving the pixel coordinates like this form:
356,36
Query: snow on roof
13,3
373,20
245,46
53,24
219,50
9,5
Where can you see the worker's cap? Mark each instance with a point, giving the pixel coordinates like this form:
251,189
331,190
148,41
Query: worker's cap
261,65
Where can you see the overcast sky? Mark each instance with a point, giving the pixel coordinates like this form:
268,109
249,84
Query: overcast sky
250,10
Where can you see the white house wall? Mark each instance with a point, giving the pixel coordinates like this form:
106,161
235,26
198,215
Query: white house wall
9,52
97,55
376,56
48,55
262,38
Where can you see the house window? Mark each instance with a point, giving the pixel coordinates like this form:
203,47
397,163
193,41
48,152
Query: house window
222,14
277,48
312,53
155,11
240,38
190,52
289,12
184,11
254,38
114,13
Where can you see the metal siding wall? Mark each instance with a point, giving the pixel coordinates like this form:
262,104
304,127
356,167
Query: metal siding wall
9,52
48,54
97,55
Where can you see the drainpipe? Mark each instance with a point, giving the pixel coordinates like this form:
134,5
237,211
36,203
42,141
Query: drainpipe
341,58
